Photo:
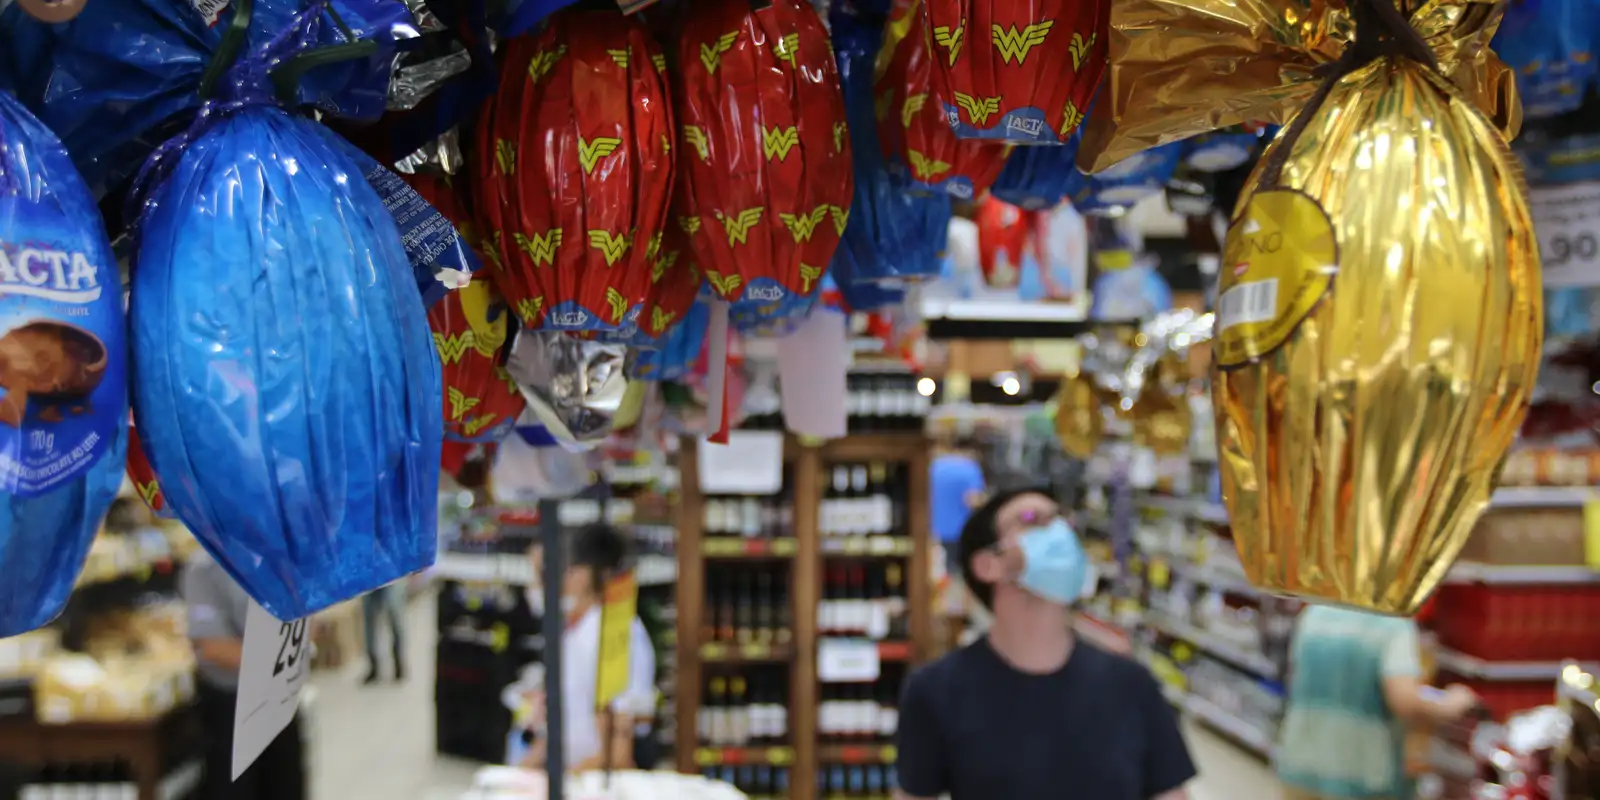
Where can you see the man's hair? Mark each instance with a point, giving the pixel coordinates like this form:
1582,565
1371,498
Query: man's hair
602,548
980,533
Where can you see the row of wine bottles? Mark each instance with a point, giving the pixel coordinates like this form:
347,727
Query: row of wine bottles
885,402
859,712
108,781
748,604
745,709
864,500
856,782
751,517
758,781
864,599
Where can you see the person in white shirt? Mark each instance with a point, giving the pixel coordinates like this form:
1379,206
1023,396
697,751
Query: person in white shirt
597,554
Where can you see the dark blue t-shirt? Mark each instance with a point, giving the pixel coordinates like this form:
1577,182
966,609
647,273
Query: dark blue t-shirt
1096,729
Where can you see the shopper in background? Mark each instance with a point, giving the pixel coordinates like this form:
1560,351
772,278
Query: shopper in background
387,601
217,610
956,487
597,554
1357,687
1028,712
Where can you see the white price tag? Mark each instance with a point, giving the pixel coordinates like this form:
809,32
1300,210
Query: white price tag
847,661
750,463
273,668
1567,221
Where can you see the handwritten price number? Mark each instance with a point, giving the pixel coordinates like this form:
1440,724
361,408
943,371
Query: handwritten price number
1563,248
291,646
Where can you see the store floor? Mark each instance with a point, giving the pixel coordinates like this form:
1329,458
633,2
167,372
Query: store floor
376,742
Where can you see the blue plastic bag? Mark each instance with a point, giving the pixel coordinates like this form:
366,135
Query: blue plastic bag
886,222
1037,178
63,372
117,81
1551,45
287,388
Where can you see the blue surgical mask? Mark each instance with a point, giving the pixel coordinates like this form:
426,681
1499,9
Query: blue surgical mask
1054,566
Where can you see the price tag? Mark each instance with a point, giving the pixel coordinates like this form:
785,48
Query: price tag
780,756
750,463
1591,531
1566,219
274,666
713,651
847,661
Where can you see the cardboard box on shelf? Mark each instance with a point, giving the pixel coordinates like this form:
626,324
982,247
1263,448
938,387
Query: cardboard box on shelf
336,636
1528,536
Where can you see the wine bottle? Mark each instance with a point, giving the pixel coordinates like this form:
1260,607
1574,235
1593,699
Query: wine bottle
726,617
744,608
881,517
738,712
860,502
764,622
781,611
750,517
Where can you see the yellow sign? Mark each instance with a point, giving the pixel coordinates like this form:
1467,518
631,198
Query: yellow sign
616,637
1591,531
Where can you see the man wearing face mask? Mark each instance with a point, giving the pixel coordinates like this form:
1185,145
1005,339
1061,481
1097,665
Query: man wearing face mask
597,553
1027,712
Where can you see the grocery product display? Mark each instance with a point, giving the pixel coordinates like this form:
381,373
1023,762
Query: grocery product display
1285,304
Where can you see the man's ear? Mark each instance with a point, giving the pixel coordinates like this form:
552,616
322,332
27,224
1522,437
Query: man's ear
986,564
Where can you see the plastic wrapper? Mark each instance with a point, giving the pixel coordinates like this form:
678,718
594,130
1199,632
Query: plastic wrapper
676,352
923,152
574,171
1551,45
574,387
675,282
1018,70
765,154
1005,241
1037,178
1125,183
1362,483
143,477
117,82
1183,68
332,446
63,372
891,234
470,327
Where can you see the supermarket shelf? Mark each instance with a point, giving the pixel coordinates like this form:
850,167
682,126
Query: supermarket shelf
867,545
514,569
1474,667
1215,645
1197,508
714,756
856,754
1541,496
1222,578
1012,310
1102,634
1473,572
1245,733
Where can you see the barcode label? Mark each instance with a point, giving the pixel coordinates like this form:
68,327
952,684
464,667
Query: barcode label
1256,301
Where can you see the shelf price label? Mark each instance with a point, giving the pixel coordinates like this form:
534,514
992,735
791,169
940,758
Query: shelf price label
273,668
713,651
1566,218
780,756
755,650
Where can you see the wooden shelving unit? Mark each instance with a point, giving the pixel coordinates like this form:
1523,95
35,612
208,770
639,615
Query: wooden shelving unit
806,555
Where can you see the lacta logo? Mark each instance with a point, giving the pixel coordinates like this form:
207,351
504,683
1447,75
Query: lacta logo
1031,127
766,292
50,274
570,319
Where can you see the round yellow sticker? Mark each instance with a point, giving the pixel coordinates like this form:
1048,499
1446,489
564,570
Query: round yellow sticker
1279,261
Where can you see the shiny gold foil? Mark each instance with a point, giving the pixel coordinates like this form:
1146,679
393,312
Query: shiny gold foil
1180,68
1080,418
1360,443
1162,422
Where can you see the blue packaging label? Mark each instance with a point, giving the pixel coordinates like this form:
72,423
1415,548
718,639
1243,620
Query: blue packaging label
1026,125
62,358
440,258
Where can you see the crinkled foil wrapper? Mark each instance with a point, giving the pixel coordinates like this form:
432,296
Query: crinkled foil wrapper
413,83
1080,417
442,156
1155,381
1180,68
1363,423
574,387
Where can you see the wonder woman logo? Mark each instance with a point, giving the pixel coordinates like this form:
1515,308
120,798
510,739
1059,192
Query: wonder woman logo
801,226
738,227
1017,44
711,54
779,141
950,40
978,108
590,152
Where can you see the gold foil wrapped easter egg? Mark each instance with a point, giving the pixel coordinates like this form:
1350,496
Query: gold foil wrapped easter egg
1080,419
1378,333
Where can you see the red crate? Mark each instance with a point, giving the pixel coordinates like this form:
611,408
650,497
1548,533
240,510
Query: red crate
1520,623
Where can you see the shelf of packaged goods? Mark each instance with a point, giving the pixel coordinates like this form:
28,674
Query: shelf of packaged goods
856,754
1541,496
514,569
1473,572
1197,508
1217,576
747,653
1215,645
1240,730
740,547
777,756
866,546
1473,667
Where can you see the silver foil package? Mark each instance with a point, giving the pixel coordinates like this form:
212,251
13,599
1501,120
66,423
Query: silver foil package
574,387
